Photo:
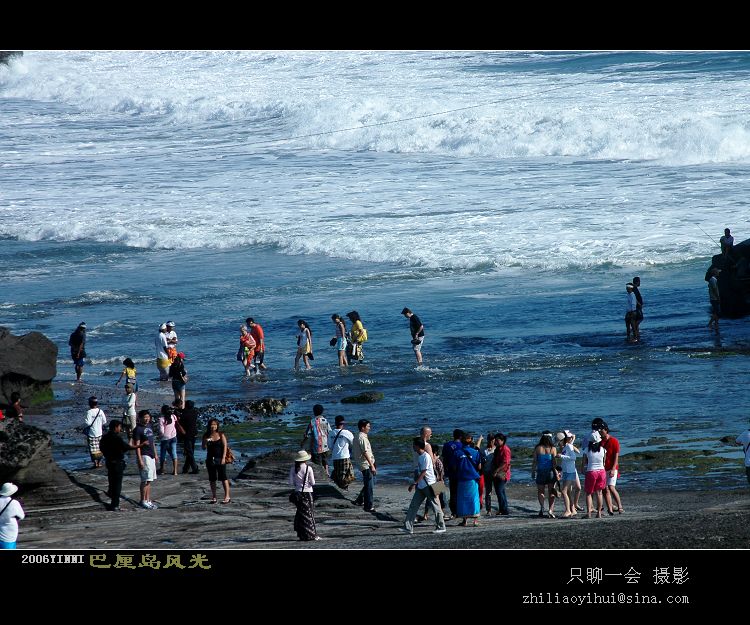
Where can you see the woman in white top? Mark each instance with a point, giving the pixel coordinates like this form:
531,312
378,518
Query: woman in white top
596,476
304,345
302,478
340,339
94,420
571,488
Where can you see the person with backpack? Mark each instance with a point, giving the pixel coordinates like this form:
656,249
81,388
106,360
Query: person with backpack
94,420
340,442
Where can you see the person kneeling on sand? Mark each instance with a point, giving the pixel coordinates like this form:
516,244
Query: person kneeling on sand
422,487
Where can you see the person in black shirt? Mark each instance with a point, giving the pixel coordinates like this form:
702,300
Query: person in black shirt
114,448
417,333
77,342
638,317
179,378
189,422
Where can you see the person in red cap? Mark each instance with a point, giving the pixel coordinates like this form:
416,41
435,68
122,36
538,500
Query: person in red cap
179,378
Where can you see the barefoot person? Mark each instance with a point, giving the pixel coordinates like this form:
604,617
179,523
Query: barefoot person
304,344
77,342
542,471
129,373
416,328
215,443
247,350
340,337
638,317
257,333
571,484
630,313
162,356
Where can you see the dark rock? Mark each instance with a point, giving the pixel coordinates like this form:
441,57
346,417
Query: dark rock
28,364
8,55
26,455
367,397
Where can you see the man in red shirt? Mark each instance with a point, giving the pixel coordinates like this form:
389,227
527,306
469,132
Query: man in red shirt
257,333
612,446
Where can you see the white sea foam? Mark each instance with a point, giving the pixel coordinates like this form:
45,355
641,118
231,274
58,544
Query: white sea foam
610,164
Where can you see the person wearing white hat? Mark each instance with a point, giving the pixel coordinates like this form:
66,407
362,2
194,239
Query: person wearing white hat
171,341
11,513
571,483
162,357
302,478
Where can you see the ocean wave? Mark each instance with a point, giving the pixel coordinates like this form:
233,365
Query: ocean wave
276,97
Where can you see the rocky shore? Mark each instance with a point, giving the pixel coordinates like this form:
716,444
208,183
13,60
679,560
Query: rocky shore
72,515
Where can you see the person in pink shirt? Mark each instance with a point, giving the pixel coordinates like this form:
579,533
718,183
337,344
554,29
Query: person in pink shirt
612,445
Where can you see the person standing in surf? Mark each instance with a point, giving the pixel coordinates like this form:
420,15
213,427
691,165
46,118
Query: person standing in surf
162,356
256,331
417,333
304,344
713,296
638,317
340,339
630,314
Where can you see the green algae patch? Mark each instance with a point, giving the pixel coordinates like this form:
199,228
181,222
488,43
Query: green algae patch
700,461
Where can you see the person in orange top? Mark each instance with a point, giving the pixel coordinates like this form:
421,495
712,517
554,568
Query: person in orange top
260,343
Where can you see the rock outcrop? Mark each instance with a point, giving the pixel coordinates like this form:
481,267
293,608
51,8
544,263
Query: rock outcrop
28,364
368,397
26,455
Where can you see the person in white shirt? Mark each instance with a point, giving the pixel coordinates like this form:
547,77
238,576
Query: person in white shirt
171,341
340,443
571,488
422,486
744,440
11,513
94,420
162,356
